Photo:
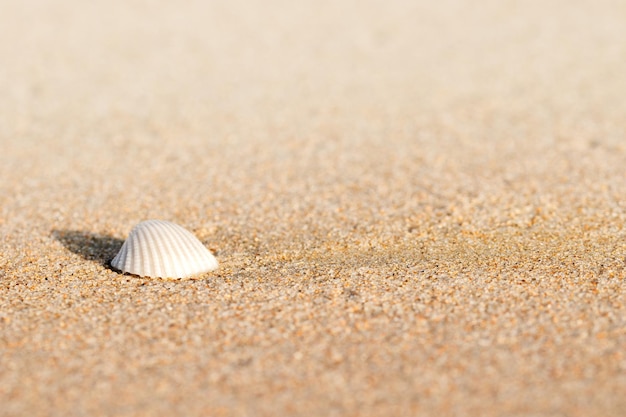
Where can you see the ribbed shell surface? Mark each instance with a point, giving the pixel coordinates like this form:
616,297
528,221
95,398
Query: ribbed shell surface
157,248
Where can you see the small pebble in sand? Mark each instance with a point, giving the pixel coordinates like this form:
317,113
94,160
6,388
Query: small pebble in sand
161,249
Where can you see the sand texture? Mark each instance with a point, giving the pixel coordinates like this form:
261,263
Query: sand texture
418,207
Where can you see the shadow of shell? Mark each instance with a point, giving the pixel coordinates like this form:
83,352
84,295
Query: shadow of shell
91,246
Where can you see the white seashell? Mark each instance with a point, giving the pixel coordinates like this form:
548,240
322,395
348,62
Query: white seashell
160,249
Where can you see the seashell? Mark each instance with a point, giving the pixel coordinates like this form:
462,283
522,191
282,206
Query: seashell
161,249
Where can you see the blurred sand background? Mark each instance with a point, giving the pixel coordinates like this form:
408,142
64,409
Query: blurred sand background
418,207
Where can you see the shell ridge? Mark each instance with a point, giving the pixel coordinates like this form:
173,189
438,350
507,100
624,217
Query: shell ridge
188,240
116,259
163,257
207,259
125,257
152,243
204,259
197,257
144,264
175,244
171,250
128,262
191,250
117,262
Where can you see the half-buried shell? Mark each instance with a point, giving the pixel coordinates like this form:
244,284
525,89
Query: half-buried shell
161,249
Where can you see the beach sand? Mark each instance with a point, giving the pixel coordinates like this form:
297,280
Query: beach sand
418,207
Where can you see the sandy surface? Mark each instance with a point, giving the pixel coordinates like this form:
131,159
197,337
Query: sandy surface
418,207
